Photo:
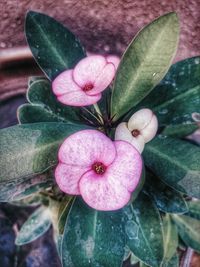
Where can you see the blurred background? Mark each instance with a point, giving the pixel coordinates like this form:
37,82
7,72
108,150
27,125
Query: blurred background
103,26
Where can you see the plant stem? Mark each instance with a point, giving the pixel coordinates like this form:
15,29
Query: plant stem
187,258
96,107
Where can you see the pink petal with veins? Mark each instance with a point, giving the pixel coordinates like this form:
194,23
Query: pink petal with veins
85,147
78,99
111,190
103,80
101,194
67,177
88,69
64,84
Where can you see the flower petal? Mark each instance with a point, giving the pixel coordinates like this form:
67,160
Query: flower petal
86,147
140,119
114,60
150,130
78,99
111,190
138,142
103,80
127,166
67,177
64,83
88,69
124,134
99,193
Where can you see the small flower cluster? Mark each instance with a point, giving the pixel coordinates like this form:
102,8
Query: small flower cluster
102,171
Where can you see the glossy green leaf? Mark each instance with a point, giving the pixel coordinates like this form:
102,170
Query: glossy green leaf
144,230
177,96
179,130
145,63
173,262
36,225
45,106
194,209
63,212
53,46
180,108
34,113
18,189
92,238
29,149
166,199
170,239
189,229
33,79
176,162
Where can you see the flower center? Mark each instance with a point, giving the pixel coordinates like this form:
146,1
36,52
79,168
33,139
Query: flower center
99,168
135,133
88,87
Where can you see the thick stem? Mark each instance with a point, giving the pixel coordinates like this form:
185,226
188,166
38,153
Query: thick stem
187,258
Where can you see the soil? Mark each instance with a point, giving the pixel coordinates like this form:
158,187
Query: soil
103,25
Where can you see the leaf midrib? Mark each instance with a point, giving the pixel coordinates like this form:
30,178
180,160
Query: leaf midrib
143,62
52,48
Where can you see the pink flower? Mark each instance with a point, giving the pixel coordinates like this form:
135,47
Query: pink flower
103,172
82,86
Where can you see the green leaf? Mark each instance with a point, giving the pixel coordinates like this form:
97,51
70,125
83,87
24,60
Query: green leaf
63,212
45,106
145,63
92,238
173,262
170,239
177,96
176,162
36,225
31,113
18,189
188,229
165,198
180,130
144,230
33,79
53,46
194,209
29,149
180,108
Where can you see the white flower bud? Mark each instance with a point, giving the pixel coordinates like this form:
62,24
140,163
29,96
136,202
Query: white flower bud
124,134
140,129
